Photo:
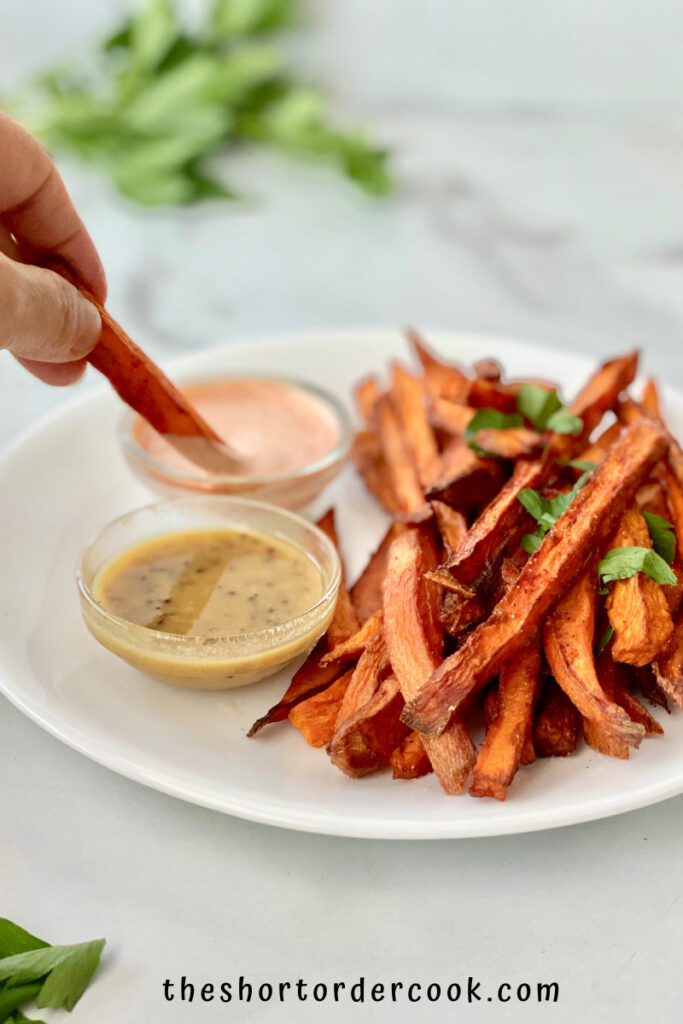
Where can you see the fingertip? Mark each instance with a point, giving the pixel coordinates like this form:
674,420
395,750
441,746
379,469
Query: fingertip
56,374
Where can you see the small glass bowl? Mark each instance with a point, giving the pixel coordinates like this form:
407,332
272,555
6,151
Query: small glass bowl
208,663
292,489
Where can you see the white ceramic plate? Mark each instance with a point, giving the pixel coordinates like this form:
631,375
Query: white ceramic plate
64,480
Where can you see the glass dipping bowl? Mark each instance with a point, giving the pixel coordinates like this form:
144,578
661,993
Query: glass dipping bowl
293,488
202,662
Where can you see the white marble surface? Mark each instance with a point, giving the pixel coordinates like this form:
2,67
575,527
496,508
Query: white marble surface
539,157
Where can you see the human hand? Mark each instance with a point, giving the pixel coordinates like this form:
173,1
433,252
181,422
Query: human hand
44,321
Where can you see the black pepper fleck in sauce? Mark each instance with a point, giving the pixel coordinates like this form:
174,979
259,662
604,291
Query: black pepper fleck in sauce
178,583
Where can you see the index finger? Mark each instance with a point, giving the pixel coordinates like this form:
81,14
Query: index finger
35,206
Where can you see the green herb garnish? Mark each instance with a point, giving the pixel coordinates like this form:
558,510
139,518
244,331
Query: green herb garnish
584,465
31,970
543,408
157,100
663,537
607,636
489,419
623,563
546,511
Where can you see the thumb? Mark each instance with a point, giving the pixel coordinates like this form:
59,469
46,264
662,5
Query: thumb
42,317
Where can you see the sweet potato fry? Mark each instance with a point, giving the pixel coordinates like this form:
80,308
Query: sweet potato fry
409,401
352,648
490,394
310,678
651,401
637,607
372,667
459,611
451,524
509,443
488,369
409,759
366,593
413,638
630,703
366,455
367,394
442,379
555,730
500,755
568,643
602,391
465,481
597,451
147,390
591,517
364,742
668,666
345,621
405,483
316,716
451,417
603,740
647,684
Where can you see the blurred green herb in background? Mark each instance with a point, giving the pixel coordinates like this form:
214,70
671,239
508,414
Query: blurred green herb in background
155,101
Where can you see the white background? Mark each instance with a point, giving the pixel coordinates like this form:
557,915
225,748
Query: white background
538,150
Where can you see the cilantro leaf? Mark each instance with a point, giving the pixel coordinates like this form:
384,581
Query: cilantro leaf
157,100
584,466
54,976
543,408
623,563
605,639
489,419
546,511
663,537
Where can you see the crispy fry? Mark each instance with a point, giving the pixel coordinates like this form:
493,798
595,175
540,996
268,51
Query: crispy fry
409,759
310,678
316,716
366,593
510,442
345,621
596,735
601,393
637,607
650,401
668,667
597,451
442,379
647,684
465,481
489,394
630,703
451,524
500,755
372,668
452,417
352,648
488,369
459,611
409,401
364,742
402,472
555,730
366,455
367,394
414,642
568,643
590,518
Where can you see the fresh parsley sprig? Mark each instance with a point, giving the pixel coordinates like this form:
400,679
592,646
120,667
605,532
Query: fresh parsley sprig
662,535
544,410
546,511
604,640
623,563
32,970
156,101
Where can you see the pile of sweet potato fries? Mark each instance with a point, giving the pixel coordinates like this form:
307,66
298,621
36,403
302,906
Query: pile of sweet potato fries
531,579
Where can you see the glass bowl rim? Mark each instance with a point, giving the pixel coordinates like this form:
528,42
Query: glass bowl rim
271,636
181,477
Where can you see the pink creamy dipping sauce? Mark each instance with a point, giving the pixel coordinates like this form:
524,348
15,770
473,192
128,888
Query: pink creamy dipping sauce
294,439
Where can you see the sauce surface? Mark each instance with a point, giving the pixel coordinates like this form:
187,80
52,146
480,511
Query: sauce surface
274,425
210,583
